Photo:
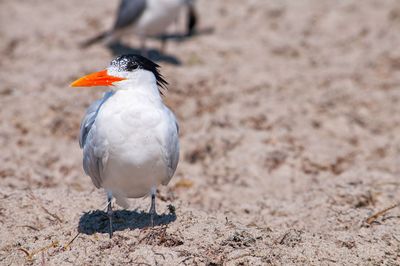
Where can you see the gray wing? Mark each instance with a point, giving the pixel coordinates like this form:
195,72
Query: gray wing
129,11
93,155
90,117
172,146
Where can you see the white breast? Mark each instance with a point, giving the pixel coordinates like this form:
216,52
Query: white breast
132,127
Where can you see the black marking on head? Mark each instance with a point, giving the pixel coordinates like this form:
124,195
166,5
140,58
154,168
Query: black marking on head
131,62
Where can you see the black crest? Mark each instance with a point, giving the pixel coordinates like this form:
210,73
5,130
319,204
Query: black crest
131,62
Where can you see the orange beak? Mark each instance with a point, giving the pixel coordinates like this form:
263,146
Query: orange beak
100,78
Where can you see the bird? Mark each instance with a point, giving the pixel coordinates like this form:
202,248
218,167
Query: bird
129,137
147,18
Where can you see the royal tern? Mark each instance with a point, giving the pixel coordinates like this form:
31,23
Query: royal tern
147,18
129,137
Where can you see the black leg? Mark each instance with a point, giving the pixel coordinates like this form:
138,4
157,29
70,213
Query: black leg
191,21
110,212
153,206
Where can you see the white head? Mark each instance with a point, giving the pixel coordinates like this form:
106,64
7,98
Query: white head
124,72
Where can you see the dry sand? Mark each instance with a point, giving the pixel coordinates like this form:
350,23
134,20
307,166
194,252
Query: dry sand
289,114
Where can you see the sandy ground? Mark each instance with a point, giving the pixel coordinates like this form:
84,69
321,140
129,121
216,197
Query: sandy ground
289,114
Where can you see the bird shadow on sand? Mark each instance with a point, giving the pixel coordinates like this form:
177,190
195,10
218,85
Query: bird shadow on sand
118,48
181,37
98,222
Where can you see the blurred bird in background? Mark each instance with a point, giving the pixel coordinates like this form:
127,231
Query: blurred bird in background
129,137
147,18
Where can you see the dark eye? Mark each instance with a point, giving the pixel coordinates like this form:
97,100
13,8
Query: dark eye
131,66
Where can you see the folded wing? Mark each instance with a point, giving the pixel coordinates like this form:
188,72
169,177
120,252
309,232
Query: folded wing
94,152
129,12
171,146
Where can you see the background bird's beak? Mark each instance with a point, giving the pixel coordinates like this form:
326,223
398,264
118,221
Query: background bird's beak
100,78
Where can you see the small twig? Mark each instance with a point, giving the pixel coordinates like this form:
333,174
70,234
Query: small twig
282,238
55,216
185,259
52,245
25,251
158,254
70,242
375,216
33,253
30,227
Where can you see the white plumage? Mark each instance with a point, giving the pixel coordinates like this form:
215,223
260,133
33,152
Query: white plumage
134,134
129,137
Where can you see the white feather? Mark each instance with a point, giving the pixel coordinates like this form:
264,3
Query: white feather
135,137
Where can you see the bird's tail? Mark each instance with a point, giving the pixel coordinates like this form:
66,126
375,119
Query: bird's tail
121,200
95,39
